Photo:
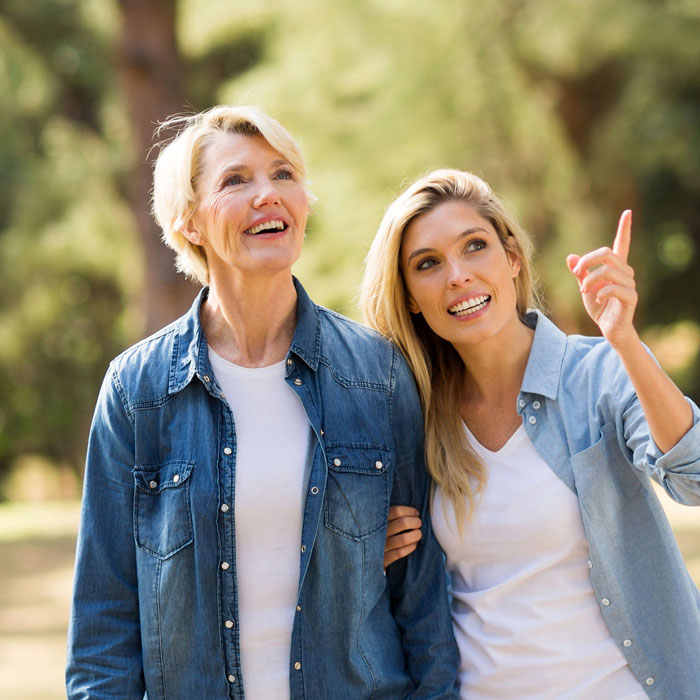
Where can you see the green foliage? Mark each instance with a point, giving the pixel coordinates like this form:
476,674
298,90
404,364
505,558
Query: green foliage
572,110
67,253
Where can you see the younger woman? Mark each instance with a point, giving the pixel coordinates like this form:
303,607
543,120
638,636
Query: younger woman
566,578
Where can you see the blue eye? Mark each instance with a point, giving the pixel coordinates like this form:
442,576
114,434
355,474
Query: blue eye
475,244
426,264
285,174
233,180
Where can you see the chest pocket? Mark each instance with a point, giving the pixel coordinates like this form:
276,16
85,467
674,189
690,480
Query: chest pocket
357,490
162,514
605,480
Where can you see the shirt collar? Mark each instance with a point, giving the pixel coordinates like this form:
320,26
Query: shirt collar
543,370
190,354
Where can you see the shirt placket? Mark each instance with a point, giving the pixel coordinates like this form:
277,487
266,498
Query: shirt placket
312,512
227,588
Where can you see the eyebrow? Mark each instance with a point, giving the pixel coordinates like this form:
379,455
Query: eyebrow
462,235
234,167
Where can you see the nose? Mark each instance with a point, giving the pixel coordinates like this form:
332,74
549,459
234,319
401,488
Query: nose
265,193
458,273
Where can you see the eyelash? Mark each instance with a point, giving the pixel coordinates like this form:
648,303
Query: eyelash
474,241
282,174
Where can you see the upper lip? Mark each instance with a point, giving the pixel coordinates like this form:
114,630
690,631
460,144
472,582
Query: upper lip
266,219
467,298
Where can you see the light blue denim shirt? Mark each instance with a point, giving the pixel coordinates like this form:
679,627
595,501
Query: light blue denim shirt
155,601
583,416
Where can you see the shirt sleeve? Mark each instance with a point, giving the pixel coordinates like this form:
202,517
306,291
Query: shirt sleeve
418,582
676,471
104,644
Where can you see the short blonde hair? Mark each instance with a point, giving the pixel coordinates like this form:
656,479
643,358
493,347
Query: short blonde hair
435,363
179,166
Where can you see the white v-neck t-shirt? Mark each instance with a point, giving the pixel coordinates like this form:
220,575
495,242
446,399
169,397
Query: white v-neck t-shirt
524,612
273,439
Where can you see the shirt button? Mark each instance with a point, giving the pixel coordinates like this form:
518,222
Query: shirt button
627,643
289,361
231,678
298,608
649,681
536,404
223,396
229,624
378,465
303,547
227,450
297,666
297,381
590,564
323,432
206,378
605,602
532,420
225,565
314,490
337,462
522,403
153,484
176,478
224,507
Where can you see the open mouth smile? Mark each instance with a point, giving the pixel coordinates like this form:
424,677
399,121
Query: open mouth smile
470,306
274,226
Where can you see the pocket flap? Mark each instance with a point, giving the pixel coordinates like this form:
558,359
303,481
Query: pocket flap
358,460
168,475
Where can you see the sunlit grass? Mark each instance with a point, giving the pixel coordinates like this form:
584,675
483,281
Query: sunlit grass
47,520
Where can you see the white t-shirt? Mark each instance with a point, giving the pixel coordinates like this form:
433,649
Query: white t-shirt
272,453
524,612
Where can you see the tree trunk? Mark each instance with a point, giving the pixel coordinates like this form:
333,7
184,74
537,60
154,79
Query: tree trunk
151,73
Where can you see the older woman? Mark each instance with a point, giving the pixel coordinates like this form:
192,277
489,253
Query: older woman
241,465
566,578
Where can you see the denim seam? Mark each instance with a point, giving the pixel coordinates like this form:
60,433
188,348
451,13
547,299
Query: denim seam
160,631
359,626
122,397
351,383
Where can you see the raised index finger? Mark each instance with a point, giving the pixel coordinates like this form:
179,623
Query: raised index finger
621,246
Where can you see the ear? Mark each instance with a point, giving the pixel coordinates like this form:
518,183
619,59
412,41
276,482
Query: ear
191,233
411,303
514,262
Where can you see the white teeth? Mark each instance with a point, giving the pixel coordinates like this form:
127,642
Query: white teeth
469,306
276,224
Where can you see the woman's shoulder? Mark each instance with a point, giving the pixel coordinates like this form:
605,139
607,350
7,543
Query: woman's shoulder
584,363
357,351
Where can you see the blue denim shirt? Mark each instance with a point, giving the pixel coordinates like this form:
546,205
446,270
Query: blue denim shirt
583,416
155,601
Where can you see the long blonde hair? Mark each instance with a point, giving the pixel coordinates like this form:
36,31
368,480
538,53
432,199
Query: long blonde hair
436,366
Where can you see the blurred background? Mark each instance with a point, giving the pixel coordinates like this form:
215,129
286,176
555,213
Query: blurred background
571,110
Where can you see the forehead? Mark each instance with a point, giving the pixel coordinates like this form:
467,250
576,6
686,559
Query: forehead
227,149
443,224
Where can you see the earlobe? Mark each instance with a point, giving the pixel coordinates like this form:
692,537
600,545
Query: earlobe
515,265
411,303
192,234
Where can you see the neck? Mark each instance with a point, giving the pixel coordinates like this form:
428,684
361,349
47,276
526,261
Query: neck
251,321
495,367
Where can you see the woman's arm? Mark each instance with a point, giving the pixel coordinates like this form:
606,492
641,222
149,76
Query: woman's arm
104,639
402,534
608,292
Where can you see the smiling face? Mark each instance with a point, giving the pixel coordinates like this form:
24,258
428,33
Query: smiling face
252,208
458,275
